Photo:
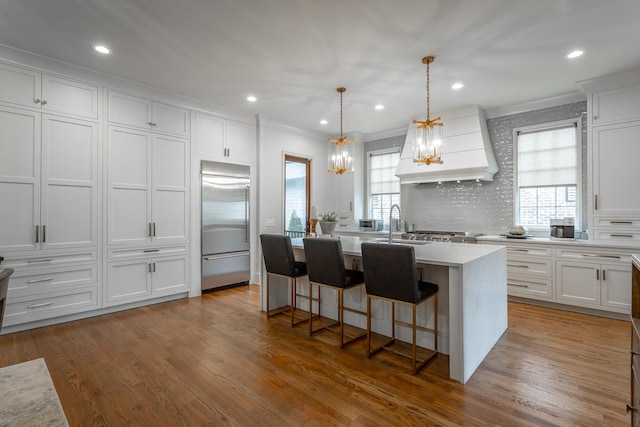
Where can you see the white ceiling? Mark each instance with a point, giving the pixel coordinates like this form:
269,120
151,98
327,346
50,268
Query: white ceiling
293,54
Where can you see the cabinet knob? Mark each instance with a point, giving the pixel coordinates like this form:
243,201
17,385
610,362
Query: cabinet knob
44,102
36,101
595,117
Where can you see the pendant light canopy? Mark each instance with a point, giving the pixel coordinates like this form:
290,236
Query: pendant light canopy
427,144
341,150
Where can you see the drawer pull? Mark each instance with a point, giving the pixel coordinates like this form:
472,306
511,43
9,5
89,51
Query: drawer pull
620,222
518,250
151,250
33,261
601,256
43,304
518,265
45,279
518,285
629,236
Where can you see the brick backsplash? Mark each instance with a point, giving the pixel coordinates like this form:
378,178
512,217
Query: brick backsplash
485,207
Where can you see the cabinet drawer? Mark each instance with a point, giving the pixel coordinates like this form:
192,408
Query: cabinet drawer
21,261
617,223
530,267
44,280
538,289
530,251
594,255
23,310
622,235
116,254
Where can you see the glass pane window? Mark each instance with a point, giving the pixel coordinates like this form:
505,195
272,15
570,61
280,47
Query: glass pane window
296,205
547,174
384,186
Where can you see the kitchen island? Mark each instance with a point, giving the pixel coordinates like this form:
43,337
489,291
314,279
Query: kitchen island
472,307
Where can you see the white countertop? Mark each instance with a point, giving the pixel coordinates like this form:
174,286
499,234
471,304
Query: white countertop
556,241
437,253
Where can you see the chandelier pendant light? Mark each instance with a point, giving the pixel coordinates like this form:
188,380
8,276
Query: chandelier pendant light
341,150
427,144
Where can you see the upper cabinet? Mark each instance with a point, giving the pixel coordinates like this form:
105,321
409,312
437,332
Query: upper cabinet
149,115
225,140
24,87
613,105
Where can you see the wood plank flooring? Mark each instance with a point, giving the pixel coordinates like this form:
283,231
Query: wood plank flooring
217,360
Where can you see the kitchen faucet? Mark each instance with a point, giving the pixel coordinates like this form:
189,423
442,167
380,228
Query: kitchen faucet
391,218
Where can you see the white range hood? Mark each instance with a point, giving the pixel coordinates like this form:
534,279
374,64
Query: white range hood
467,152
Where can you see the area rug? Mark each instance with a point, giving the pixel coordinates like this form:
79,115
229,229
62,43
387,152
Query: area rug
28,397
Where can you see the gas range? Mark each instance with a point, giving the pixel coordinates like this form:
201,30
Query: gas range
442,236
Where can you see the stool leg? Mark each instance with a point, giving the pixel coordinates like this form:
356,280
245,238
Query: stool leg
311,308
267,290
293,301
414,353
340,315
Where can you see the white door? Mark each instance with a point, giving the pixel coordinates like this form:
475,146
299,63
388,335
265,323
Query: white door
129,110
578,283
20,86
170,119
209,136
69,96
129,187
169,276
240,142
20,149
616,286
169,196
69,182
128,281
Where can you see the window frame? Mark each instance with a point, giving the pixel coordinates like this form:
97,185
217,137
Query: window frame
307,162
541,127
370,154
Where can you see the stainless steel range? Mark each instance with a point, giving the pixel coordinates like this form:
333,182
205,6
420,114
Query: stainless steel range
442,236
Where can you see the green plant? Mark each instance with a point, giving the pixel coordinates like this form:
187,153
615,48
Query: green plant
328,217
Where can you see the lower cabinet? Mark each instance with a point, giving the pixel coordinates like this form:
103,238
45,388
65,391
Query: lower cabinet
146,278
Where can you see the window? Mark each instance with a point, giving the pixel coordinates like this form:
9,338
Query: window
296,195
384,186
547,166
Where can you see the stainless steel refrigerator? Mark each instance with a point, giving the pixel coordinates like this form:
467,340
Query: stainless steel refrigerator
225,224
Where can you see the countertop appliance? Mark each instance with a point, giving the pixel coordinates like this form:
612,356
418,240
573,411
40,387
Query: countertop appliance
562,228
442,236
370,225
225,225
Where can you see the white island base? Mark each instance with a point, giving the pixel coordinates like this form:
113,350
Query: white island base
472,300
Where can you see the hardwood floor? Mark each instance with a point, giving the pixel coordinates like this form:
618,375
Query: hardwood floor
217,360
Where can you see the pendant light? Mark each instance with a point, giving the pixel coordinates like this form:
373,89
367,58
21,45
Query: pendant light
427,144
341,150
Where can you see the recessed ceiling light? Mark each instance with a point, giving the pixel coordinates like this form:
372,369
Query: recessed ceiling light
457,86
575,54
323,122
251,98
379,107
101,49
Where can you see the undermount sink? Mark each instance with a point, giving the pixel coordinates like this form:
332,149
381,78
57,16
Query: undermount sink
403,241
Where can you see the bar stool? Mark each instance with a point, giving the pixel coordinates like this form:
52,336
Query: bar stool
325,264
279,261
390,274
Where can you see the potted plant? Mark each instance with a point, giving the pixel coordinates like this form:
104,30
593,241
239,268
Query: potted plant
328,222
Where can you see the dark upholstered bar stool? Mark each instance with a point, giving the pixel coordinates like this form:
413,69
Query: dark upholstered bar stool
4,286
325,264
279,261
390,274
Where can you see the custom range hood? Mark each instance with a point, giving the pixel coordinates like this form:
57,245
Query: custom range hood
466,153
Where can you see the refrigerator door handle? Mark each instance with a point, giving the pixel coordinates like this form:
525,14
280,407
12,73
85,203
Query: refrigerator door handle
231,255
246,214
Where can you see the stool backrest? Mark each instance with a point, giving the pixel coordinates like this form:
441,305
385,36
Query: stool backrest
390,271
278,254
325,263
4,286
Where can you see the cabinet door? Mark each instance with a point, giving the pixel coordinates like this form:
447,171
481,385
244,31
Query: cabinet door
128,281
209,136
344,192
616,286
578,283
616,105
69,183
169,196
170,119
69,96
19,86
240,142
616,148
20,150
169,276
129,186
129,110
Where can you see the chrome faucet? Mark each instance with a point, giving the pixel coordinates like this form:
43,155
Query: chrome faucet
391,218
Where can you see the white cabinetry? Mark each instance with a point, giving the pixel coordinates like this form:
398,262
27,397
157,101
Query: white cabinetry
224,140
614,110
147,188
49,172
149,115
24,87
596,278
530,272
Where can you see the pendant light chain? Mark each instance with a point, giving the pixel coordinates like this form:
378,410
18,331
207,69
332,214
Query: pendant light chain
428,111
341,92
